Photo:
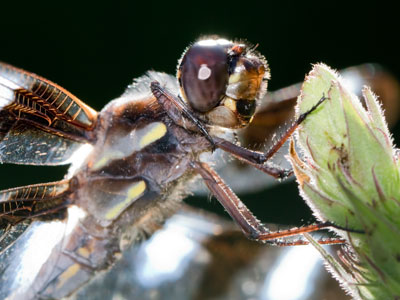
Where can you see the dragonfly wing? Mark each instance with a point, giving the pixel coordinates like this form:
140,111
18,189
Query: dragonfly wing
24,222
40,122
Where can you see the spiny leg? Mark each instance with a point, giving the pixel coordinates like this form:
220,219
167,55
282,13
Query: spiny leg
302,242
288,133
175,107
258,159
253,158
249,224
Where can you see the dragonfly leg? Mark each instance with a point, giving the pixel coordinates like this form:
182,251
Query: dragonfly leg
259,159
249,224
255,158
175,107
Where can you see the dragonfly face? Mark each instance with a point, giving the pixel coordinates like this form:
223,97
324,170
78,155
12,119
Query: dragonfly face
136,160
223,80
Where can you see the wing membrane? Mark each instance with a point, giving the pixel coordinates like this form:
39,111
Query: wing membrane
29,145
23,211
17,204
40,122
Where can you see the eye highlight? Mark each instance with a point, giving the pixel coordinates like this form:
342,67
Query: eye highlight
204,72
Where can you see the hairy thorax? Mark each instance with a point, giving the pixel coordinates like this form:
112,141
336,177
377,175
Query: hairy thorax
140,163
132,179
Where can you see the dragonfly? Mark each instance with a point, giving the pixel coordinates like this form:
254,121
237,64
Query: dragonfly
132,163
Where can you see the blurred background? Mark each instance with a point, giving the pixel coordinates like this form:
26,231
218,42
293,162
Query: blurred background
95,49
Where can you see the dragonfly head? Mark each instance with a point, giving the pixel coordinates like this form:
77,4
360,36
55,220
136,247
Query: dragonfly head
223,81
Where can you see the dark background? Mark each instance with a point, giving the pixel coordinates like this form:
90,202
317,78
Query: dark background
94,49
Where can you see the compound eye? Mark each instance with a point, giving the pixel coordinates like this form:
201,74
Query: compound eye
246,108
204,75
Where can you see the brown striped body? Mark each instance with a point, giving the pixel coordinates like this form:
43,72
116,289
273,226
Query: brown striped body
136,171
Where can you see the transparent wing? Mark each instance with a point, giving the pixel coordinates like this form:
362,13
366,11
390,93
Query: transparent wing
25,214
30,201
19,205
40,122
21,261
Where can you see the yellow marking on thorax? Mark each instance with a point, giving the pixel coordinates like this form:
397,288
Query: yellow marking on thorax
156,131
84,252
127,144
106,159
132,194
68,274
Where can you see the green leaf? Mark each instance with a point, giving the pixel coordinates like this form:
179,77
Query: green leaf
349,175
